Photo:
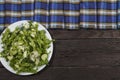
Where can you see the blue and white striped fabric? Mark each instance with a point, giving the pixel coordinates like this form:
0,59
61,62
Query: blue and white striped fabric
63,14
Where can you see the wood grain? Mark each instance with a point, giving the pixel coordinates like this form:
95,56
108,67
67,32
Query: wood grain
87,53
78,34
67,74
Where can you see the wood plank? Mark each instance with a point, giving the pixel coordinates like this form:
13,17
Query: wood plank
86,74
83,33
92,74
61,73
46,74
78,34
86,53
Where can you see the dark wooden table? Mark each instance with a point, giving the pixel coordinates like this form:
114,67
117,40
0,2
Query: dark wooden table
79,55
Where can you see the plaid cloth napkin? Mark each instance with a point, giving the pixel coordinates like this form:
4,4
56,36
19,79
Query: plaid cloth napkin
63,14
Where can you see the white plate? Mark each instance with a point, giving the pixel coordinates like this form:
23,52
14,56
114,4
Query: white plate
12,28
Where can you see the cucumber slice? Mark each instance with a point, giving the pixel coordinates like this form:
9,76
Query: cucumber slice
44,57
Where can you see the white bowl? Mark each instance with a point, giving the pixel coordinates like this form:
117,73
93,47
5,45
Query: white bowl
12,28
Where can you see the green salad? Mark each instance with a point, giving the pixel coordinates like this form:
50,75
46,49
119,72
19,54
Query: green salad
25,48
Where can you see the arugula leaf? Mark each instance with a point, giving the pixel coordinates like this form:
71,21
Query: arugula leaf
25,48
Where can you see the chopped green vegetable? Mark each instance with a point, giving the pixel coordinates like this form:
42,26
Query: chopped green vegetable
44,57
25,48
